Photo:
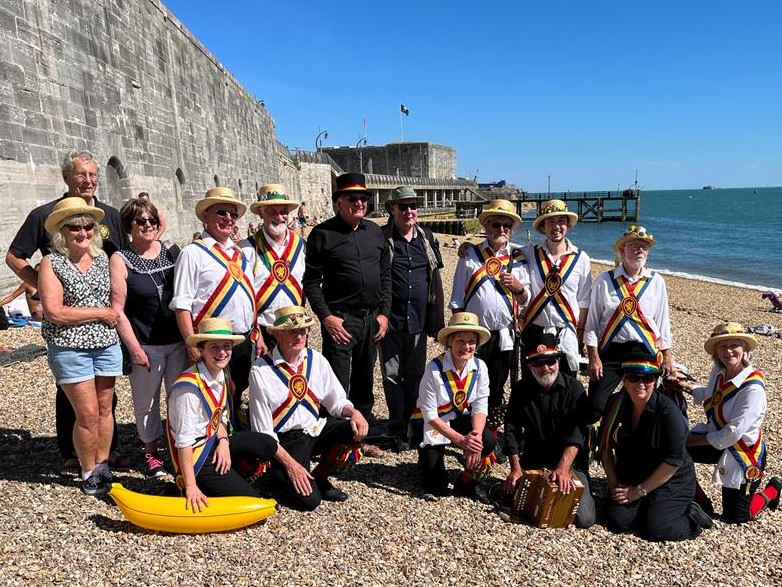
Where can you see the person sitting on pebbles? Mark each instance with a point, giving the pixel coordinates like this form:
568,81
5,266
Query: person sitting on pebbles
288,388
453,403
204,449
731,438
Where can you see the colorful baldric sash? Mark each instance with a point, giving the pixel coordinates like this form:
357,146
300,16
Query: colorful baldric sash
629,310
459,391
490,269
214,406
611,422
233,280
749,457
299,392
280,269
553,277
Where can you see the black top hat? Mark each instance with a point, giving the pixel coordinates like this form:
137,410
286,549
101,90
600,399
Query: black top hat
541,345
348,183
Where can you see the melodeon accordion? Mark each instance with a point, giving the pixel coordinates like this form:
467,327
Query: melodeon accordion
538,500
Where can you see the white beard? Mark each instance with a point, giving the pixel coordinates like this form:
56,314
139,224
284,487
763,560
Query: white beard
547,379
275,229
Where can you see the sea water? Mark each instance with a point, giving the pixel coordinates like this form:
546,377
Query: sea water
723,235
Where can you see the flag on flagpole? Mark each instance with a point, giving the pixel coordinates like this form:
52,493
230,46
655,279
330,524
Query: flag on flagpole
403,109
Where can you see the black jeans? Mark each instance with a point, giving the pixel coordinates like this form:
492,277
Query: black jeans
402,361
498,365
250,447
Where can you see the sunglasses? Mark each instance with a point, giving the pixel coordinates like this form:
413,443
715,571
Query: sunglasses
405,207
548,362
226,214
79,227
355,198
499,225
145,221
635,378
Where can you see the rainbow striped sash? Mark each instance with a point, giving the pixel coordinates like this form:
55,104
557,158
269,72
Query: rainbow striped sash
749,457
629,311
215,406
234,279
553,277
489,270
280,279
299,392
611,422
460,391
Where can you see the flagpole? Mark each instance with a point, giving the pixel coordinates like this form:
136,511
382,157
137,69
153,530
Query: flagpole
401,127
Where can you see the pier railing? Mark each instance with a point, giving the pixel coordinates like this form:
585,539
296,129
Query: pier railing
616,206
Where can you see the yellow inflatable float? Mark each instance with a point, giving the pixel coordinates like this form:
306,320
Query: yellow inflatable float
168,514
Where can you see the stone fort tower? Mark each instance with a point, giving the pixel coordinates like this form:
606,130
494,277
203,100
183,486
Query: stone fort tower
125,80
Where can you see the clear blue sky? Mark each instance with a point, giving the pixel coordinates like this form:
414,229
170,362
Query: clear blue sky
688,92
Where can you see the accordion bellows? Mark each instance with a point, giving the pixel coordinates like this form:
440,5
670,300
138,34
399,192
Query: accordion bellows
538,500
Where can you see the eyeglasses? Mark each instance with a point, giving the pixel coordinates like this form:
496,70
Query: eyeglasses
145,221
405,207
636,378
637,246
503,225
82,175
226,214
547,361
79,227
355,198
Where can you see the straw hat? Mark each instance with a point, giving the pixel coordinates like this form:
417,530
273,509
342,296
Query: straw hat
729,331
219,196
542,346
291,318
634,232
463,322
67,207
500,208
641,362
554,208
214,329
402,193
273,194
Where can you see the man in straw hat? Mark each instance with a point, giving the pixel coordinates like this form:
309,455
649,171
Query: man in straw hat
81,174
559,281
416,307
542,423
347,282
279,254
214,277
628,313
487,282
289,389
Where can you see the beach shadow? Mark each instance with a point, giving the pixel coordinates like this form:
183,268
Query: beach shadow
23,354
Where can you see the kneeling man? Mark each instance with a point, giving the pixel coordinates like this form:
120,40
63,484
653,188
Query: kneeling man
542,424
288,388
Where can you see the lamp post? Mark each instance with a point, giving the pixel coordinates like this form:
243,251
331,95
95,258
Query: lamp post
325,135
360,154
549,186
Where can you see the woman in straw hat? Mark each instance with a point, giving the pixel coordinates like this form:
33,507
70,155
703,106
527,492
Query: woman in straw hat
79,328
204,449
452,408
651,478
732,438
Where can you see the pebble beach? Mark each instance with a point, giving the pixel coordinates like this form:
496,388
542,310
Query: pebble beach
388,532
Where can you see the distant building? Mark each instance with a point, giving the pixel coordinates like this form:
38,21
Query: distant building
403,159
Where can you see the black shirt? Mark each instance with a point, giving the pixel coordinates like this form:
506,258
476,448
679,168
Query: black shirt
347,269
540,424
32,236
661,436
409,284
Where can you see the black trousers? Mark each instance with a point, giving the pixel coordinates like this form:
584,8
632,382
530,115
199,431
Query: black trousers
735,502
65,420
354,363
402,361
599,391
241,362
250,447
431,458
301,447
498,364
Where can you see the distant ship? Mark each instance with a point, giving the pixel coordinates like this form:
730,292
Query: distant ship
708,187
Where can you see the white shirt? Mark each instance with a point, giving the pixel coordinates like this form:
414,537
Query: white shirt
576,290
187,416
605,300
432,393
744,414
268,392
197,274
281,299
487,303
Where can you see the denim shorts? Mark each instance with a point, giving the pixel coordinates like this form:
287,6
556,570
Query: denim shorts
70,365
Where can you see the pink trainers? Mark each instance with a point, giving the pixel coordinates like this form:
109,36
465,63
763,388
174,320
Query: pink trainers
154,468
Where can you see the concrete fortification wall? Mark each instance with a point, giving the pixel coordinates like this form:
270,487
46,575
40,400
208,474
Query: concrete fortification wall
125,80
